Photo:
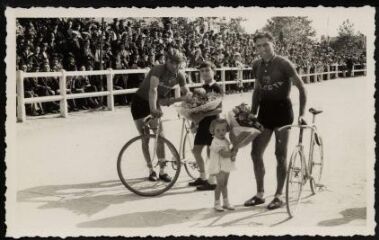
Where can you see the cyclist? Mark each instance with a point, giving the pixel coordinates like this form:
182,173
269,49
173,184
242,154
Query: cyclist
274,77
153,93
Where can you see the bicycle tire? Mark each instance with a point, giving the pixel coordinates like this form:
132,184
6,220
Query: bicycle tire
190,166
294,170
147,193
316,173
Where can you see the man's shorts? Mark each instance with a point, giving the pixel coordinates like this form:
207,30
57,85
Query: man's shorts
203,136
140,107
275,113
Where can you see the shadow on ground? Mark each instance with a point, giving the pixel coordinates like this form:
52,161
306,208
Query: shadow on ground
175,216
348,215
88,198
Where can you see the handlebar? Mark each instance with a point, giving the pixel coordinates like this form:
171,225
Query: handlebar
148,119
296,126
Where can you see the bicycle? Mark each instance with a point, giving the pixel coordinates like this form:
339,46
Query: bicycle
132,170
299,170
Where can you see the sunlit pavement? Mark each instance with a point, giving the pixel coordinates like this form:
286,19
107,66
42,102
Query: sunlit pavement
67,182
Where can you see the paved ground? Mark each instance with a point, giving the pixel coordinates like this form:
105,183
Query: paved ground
65,180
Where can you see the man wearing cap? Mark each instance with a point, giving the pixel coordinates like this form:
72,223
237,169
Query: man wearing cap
274,77
153,92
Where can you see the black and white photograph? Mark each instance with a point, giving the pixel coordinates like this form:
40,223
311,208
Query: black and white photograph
190,121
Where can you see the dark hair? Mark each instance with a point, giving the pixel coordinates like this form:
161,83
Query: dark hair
206,64
176,56
263,35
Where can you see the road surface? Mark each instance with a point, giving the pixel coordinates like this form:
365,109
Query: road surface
64,180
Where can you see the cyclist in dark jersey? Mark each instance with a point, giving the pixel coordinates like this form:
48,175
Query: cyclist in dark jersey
274,77
153,92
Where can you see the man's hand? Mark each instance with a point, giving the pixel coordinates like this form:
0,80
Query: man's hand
252,116
301,120
156,113
188,96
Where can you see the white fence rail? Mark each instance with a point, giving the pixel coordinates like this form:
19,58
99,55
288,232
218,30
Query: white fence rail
110,93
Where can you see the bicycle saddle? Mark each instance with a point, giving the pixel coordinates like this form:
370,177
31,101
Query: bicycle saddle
315,111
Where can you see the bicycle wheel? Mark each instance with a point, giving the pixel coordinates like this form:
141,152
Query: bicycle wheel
190,163
132,166
316,163
295,181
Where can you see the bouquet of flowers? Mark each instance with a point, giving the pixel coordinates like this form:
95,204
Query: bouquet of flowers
244,127
201,102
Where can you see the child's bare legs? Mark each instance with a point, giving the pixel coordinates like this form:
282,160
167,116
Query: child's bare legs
224,192
197,149
222,188
218,190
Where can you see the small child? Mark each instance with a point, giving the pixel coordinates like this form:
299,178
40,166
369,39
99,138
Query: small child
220,162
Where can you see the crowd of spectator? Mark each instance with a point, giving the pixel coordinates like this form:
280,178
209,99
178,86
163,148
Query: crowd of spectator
72,44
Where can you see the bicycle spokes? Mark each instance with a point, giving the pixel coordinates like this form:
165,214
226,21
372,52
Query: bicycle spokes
295,182
138,155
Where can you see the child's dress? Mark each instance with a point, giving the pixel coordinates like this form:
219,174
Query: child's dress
218,163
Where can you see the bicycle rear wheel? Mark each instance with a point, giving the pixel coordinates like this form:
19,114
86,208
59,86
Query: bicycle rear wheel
295,181
190,163
316,163
132,167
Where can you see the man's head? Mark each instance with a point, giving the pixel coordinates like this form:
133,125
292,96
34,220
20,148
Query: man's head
264,43
46,67
207,71
174,60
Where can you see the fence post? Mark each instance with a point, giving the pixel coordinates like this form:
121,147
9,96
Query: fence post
62,89
110,99
352,70
21,114
223,80
337,71
328,70
308,78
189,77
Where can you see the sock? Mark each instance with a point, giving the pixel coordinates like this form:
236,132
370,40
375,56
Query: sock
278,196
226,202
217,202
203,176
260,195
162,167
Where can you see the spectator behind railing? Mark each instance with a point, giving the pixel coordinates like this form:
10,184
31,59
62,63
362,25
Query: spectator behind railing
64,43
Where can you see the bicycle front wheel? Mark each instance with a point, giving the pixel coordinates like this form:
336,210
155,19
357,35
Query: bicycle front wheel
295,181
190,163
316,163
134,159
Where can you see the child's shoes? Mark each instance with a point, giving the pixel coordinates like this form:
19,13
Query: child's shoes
218,207
227,205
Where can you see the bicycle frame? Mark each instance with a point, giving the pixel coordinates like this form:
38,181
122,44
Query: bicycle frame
300,145
185,129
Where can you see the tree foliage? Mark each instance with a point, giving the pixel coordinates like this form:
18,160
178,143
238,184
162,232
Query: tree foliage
348,40
290,30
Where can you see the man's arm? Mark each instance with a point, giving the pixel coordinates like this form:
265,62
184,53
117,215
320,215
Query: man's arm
153,94
256,97
298,82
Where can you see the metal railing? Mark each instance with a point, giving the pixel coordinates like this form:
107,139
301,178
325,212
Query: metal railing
110,92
